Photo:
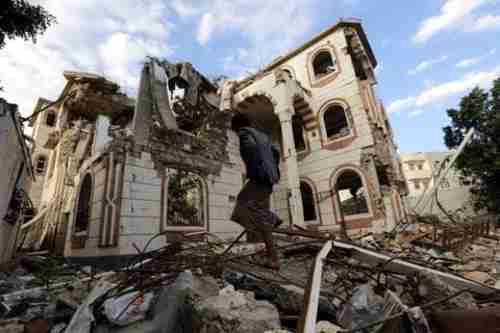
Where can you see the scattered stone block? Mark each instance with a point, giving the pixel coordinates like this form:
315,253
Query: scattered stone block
233,311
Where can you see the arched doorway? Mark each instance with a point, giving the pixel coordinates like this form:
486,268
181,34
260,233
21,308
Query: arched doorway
352,193
83,210
308,202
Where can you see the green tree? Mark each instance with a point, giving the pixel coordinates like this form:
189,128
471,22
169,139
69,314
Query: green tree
479,163
19,18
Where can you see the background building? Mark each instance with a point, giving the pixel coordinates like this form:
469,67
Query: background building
421,170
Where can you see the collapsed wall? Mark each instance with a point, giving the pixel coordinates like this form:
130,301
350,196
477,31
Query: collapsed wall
120,174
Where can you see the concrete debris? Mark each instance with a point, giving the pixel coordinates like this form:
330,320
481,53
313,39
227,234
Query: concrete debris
432,287
234,311
129,308
196,287
327,327
83,318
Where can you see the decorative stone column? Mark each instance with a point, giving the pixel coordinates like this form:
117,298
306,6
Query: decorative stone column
292,170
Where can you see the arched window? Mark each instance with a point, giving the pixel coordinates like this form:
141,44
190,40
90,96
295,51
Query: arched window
40,164
298,133
308,202
51,119
335,122
323,64
83,212
352,194
186,200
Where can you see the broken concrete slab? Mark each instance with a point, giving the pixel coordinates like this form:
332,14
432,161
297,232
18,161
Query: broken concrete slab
173,311
233,311
83,319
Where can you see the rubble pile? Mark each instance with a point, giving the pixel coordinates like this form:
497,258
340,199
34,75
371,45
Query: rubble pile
384,285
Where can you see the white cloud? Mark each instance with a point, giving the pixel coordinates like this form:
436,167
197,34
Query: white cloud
401,104
427,64
453,13
184,8
206,28
468,62
107,38
486,22
442,91
415,113
475,60
267,28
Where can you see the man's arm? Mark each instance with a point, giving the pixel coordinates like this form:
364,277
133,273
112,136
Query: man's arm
248,150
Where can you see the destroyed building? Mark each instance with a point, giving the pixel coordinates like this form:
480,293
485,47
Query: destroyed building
421,172
16,171
113,172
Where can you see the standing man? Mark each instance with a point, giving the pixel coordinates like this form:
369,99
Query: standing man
252,210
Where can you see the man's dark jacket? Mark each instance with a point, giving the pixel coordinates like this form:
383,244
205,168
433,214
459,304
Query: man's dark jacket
261,157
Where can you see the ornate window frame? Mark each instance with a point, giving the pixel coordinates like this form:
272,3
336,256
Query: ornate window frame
327,78
206,218
333,185
343,141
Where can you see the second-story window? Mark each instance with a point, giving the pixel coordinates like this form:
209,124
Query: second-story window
323,64
336,124
51,119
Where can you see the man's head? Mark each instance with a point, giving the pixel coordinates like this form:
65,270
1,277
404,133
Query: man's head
239,120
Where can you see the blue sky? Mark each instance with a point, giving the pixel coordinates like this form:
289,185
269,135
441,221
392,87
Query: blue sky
430,52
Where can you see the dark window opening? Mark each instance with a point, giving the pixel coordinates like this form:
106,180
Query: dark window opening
308,203
41,163
323,64
383,177
352,194
336,125
186,200
298,133
51,119
83,212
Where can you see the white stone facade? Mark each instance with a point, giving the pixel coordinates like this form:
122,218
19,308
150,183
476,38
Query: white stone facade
338,166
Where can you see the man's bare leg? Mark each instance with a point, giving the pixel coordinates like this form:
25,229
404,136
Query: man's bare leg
272,254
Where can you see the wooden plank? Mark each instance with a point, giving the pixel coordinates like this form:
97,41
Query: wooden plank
308,318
